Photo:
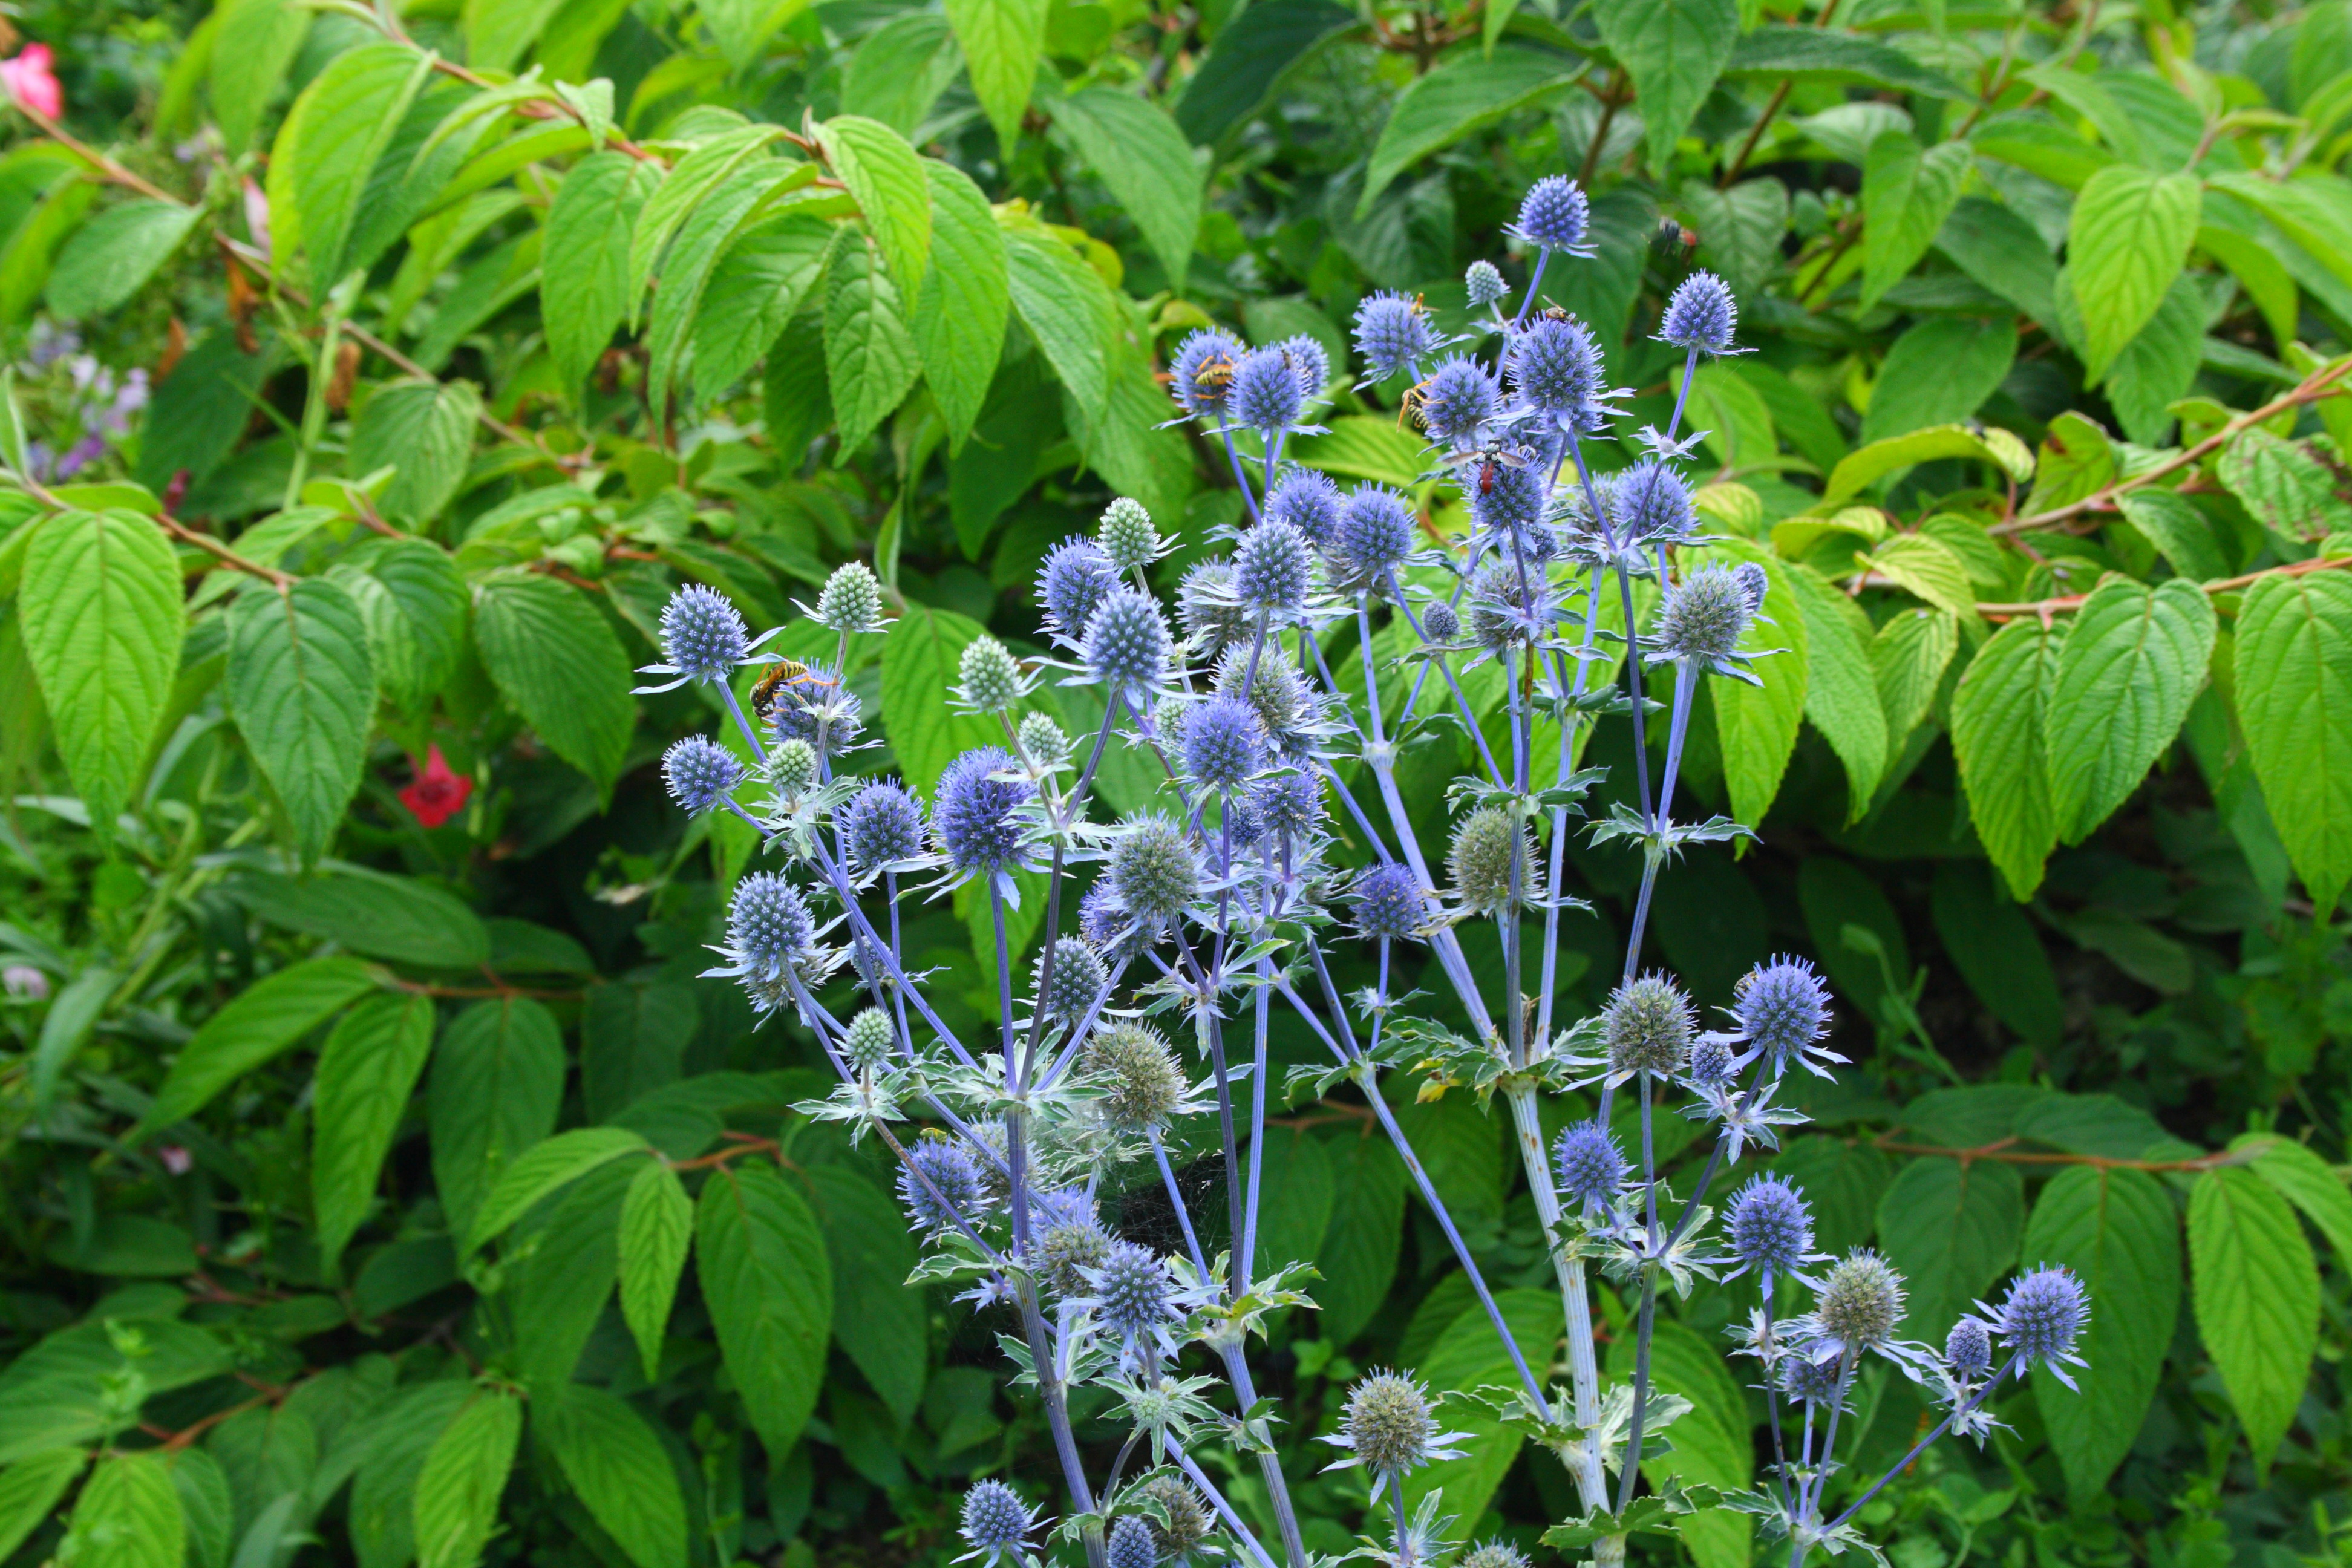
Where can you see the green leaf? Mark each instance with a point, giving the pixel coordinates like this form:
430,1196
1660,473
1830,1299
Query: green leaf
2157,366
685,271
766,276
1364,446
366,1072
1907,658
413,603
670,205
584,268
2306,1181
1938,373
404,1426
1067,306
1866,466
2293,688
208,1505
2125,679
2076,460
110,258
882,1321
200,409
558,1267
886,179
899,70
1925,567
102,623
261,1023
1674,50
498,32
1710,1444
2257,1296
371,912
257,41
1998,248
29,1489
1777,51
128,1516
1756,726
1468,1355
73,1014
620,1470
302,685
1840,686
497,1084
557,660
921,660
1997,737
871,360
1255,50
1952,1229
2118,1230
1144,161
1126,442
1472,91
761,1261
2128,240
1994,947
464,1473
656,1226
426,430
1907,195
2283,485
1003,42
1357,1258
25,263
966,299
741,26
328,147
541,1169
2178,531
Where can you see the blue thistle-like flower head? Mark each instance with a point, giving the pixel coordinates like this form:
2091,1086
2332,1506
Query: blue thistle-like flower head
1136,1297
1131,1544
851,600
1484,283
1859,1303
1307,500
1393,333
1376,529
1310,361
1440,622
703,636
881,826
1266,397
1273,567
1704,616
2041,1319
1555,216
1783,1008
949,1186
1073,581
1127,536
699,772
1713,1062
1077,978
1967,1349
1652,503
1213,618
1770,1227
770,931
1390,903
1590,1165
1555,367
1127,642
869,1039
1647,1027
1224,742
1107,927
1458,402
819,705
1810,1382
976,817
1388,1426
1701,315
1754,584
1203,376
1154,871
1507,499
996,1521
1289,802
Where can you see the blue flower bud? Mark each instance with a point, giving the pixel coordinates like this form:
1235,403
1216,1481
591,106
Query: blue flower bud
1393,334
699,772
882,823
1266,396
1390,904
1783,1008
1377,528
703,636
1770,1225
1073,580
1554,213
1701,315
1272,567
975,816
1458,402
1651,502
1307,500
1203,376
1483,283
1554,366
1590,1165
1224,742
1127,641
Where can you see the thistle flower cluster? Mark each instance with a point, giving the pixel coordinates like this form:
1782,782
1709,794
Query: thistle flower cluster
1272,692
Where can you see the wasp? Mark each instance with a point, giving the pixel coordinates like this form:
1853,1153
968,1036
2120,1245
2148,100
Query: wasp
783,673
1212,376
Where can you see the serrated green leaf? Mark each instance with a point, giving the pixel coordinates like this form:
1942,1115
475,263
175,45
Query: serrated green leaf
256,42
620,1470
899,70
1756,726
497,1084
2306,1181
1997,737
656,1227
767,275
464,1473
366,1071
302,685
966,299
426,430
668,204
1840,687
585,279
2157,366
557,660
1002,41
30,1488
1472,91
541,1169
2281,484
261,1023
1939,372
2257,1299
1908,660
1929,569
2293,688
103,621
886,179
1997,952
1952,1229
881,1321
1253,52
871,360
1140,156
686,270
1067,306
2120,1233
110,258
765,1277
128,1516
1674,50
1710,1444
1866,466
328,147
414,605
371,913
921,660
2125,679
1998,248
2178,531
1907,192
2127,241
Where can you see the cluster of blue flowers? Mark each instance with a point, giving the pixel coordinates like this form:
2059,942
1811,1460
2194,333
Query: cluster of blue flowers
1194,920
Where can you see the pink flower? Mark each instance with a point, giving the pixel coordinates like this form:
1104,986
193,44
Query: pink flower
256,216
176,1160
437,794
32,84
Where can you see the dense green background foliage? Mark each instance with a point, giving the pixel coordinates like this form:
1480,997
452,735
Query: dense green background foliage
357,1148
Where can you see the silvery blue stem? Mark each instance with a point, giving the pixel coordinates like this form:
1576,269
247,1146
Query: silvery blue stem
1772,1396
1535,281
1715,1158
1421,676
1560,828
1003,985
1396,1504
742,723
1176,1199
863,927
1240,478
1245,1264
1690,371
1648,1318
1273,441
1363,822
1461,702
1813,1494
1677,725
1921,1445
1072,808
1225,1509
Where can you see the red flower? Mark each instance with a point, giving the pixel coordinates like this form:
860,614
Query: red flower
437,794
31,82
